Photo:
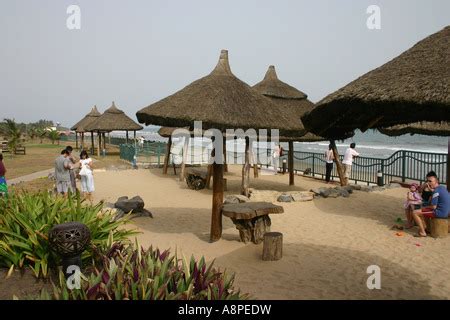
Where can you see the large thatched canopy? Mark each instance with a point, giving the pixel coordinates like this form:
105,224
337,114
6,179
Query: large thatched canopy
425,128
113,119
220,100
291,101
412,87
89,118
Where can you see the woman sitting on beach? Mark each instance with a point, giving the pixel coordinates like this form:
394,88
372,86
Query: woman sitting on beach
87,178
413,202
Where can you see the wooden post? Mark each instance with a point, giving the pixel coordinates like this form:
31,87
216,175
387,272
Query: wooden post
273,246
246,170
82,142
338,163
225,164
208,176
255,163
92,143
126,141
167,157
217,202
448,166
185,152
99,142
76,140
291,163
109,137
104,141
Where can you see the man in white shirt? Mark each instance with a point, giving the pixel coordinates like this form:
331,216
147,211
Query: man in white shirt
350,153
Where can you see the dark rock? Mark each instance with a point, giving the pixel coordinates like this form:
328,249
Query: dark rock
355,187
133,205
324,192
235,199
285,198
333,193
366,188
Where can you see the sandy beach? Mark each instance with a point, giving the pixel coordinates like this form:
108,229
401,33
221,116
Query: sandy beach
327,246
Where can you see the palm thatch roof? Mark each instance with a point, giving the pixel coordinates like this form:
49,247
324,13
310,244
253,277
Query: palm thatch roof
412,87
113,119
89,118
220,100
292,101
425,128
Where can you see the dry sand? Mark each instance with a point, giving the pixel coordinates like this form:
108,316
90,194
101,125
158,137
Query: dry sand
328,243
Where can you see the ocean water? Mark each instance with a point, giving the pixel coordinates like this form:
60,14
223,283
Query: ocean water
368,144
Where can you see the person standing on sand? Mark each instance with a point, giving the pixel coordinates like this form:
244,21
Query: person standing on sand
73,183
329,158
350,153
87,177
62,173
3,185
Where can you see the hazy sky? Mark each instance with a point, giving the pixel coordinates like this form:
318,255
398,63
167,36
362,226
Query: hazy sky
137,52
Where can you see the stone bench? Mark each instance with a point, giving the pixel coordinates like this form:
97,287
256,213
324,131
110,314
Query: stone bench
251,218
196,178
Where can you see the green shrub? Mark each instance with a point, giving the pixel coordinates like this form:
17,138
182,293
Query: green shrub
124,272
25,220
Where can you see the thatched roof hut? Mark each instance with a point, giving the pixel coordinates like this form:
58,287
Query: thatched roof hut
291,101
89,118
113,119
220,100
425,128
412,87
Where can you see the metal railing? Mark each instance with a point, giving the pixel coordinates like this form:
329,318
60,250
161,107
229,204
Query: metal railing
402,165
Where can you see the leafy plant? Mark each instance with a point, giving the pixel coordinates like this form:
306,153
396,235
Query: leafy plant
54,135
13,133
41,133
25,220
132,273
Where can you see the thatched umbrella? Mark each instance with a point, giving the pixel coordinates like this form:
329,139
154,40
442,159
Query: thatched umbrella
292,102
221,101
425,128
412,87
112,119
80,125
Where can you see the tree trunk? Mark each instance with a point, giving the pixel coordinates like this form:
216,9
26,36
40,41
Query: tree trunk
273,246
167,157
185,152
291,163
217,202
246,170
338,163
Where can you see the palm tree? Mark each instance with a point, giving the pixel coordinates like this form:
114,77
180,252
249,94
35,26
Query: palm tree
41,133
54,136
32,132
13,133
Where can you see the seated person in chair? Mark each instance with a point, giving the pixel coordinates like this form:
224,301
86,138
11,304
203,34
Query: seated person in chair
439,207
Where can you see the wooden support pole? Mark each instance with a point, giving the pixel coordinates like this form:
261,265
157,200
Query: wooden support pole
167,157
225,164
185,152
246,170
291,163
217,202
126,140
448,166
255,163
92,143
76,140
208,176
338,164
99,142
82,142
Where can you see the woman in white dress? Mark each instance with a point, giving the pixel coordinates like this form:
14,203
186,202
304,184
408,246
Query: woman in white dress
87,177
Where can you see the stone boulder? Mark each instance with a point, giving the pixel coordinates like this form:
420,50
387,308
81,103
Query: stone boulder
235,199
302,196
342,191
285,198
134,205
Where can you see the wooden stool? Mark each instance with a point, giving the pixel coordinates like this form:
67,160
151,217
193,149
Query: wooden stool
439,228
273,246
